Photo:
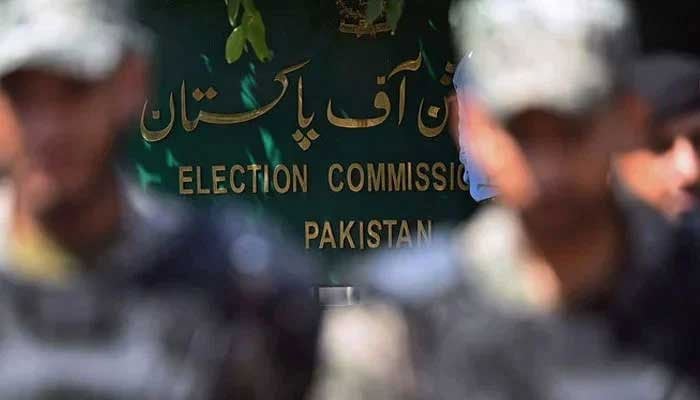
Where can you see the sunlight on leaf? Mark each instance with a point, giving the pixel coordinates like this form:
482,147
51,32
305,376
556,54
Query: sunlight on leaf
146,178
234,44
251,160
248,153
271,151
207,62
232,7
251,30
248,83
170,159
256,34
426,59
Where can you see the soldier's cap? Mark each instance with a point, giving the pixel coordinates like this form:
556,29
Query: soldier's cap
567,56
83,39
670,82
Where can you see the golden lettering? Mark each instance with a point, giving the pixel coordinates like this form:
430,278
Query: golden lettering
187,125
446,79
410,65
327,236
373,234
303,121
362,235
185,179
266,179
422,174
254,168
345,234
434,131
374,240
287,180
404,236
381,102
402,100
237,118
300,179
390,224
375,177
335,167
396,177
360,173
311,232
364,29
232,181
424,235
441,182
216,179
154,136
200,189
460,178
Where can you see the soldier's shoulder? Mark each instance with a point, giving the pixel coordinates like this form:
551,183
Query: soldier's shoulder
224,245
413,276
467,262
259,247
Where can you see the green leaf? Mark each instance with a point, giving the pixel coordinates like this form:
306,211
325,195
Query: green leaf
394,9
426,60
272,153
170,159
256,35
234,44
374,10
248,85
249,154
146,178
432,25
207,62
249,5
233,6
249,101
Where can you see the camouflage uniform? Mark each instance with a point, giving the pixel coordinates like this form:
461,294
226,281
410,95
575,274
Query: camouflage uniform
252,290
182,304
455,322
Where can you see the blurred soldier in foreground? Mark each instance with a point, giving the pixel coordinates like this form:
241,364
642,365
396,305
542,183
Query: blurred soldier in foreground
533,297
667,174
108,292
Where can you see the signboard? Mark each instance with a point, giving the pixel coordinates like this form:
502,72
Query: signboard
343,135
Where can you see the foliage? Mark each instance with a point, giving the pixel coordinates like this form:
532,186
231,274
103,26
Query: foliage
248,29
392,8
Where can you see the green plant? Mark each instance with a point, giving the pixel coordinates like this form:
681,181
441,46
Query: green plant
249,30
392,8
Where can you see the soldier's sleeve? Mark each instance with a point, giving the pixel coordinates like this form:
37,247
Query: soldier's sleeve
379,349
364,354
